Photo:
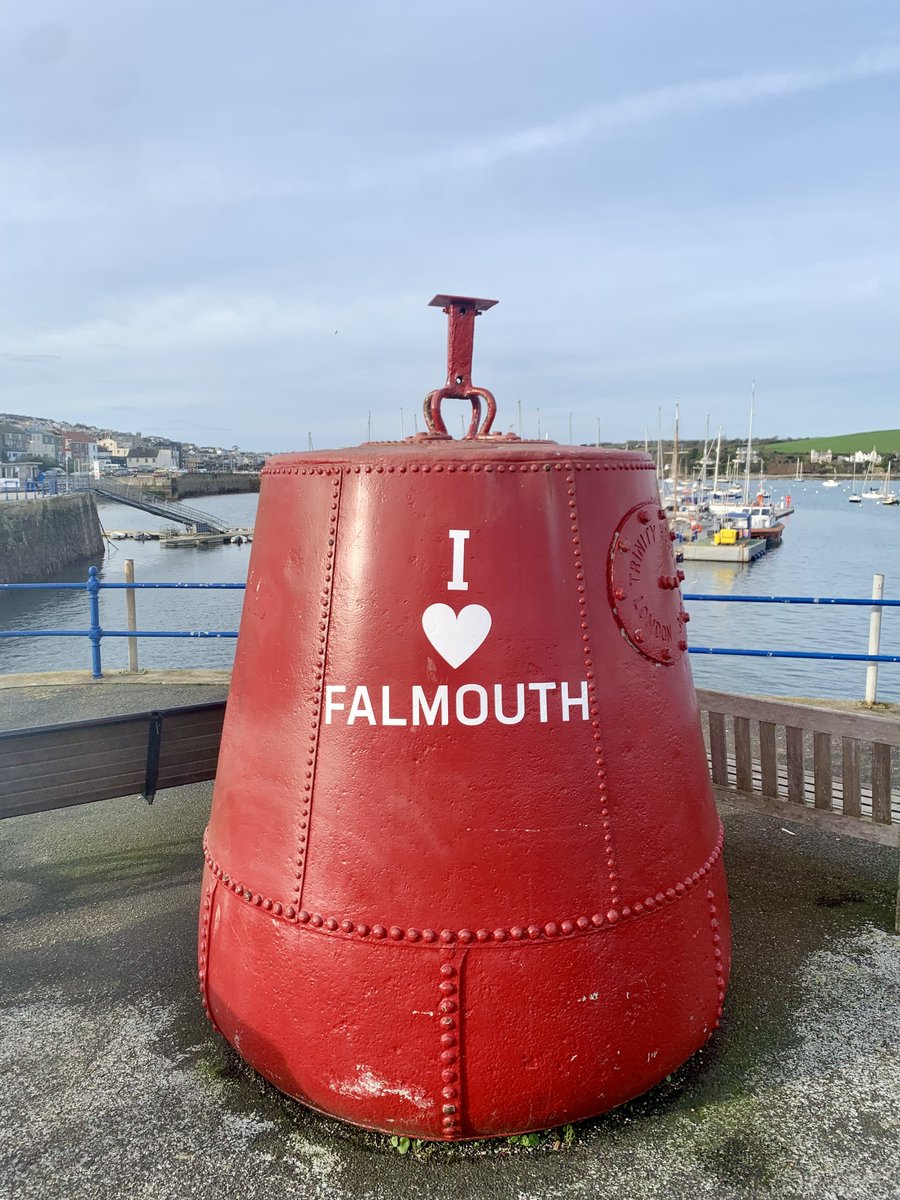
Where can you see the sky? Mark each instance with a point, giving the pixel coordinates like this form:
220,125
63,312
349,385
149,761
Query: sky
223,222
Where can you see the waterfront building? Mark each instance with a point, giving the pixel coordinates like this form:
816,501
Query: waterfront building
44,443
79,451
13,443
19,473
117,447
154,458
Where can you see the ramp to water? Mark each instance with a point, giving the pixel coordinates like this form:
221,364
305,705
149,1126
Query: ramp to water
135,497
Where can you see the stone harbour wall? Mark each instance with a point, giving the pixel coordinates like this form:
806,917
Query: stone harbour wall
40,537
216,483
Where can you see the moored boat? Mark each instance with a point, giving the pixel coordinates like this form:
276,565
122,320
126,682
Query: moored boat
756,521
853,498
887,496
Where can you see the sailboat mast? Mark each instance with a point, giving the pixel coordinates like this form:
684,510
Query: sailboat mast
659,459
718,453
675,464
749,445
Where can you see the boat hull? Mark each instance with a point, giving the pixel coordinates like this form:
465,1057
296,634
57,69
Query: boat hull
772,534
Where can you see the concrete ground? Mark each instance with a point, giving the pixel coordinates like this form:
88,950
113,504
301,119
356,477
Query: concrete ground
115,1085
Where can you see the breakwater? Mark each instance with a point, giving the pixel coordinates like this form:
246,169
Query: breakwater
38,538
216,483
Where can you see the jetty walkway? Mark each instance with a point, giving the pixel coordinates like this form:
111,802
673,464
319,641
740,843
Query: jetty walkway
172,510
117,1085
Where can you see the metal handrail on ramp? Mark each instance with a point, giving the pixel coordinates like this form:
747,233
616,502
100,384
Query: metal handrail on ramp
125,493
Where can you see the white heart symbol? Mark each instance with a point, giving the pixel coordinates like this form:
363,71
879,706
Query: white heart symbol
456,636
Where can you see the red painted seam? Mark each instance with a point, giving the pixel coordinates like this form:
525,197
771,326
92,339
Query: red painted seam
612,868
717,955
538,931
304,818
449,1016
510,465
209,896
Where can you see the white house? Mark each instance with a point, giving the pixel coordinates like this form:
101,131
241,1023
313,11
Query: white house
153,458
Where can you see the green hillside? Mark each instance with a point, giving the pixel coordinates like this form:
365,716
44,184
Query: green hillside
886,441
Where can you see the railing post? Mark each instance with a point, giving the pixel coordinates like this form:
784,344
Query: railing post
95,633
874,638
131,614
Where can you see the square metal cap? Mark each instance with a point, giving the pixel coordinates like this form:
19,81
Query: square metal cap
447,301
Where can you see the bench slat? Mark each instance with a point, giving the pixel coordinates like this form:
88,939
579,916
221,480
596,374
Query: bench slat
881,783
743,757
768,759
822,770
717,748
850,776
796,776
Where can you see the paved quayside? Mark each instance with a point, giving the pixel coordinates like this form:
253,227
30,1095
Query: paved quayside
116,1086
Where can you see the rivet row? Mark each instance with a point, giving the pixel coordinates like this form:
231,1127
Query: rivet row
505,936
718,964
599,762
463,468
203,953
313,743
448,1014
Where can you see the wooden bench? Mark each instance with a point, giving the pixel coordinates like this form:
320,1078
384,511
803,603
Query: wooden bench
56,766
760,751
758,754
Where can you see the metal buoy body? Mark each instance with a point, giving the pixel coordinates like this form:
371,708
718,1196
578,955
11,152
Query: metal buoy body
463,870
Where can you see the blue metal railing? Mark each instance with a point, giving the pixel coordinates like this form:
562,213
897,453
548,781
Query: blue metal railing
791,600
96,633
824,655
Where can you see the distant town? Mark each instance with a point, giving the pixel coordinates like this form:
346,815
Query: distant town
30,446
51,446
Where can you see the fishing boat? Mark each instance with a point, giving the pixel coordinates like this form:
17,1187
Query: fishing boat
756,521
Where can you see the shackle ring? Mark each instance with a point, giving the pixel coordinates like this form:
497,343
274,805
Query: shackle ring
434,421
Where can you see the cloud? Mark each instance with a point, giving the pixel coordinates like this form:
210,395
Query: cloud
665,103
195,320
10,356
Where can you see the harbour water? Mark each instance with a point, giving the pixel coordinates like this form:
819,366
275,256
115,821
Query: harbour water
830,548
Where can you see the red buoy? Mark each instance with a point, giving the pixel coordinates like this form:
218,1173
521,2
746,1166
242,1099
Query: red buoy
463,870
